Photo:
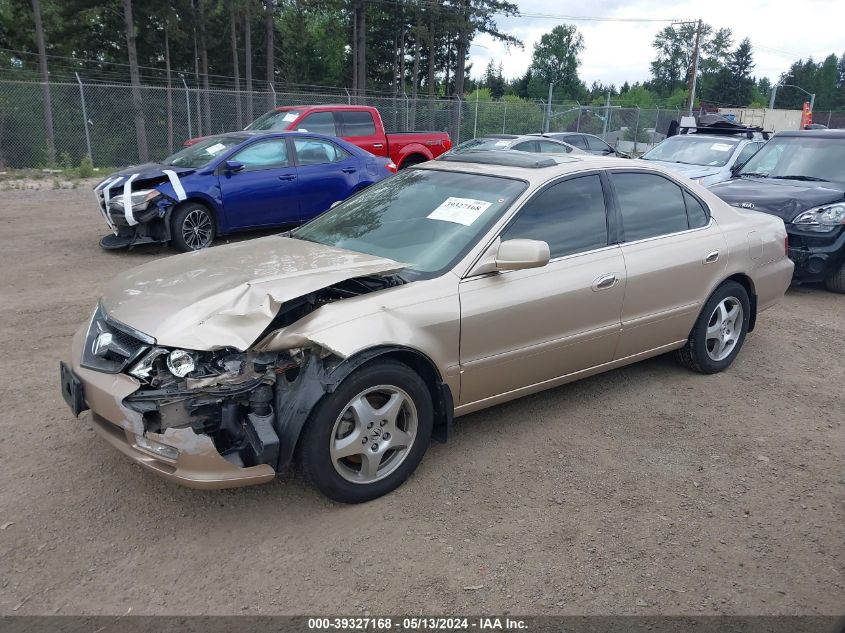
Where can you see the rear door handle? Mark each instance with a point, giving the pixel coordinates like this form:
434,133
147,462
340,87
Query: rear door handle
378,145
605,282
349,170
711,257
287,177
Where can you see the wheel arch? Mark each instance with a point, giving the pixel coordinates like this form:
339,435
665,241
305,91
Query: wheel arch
746,282
318,380
415,153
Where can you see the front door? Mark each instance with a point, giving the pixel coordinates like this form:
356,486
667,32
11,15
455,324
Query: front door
265,192
523,327
673,254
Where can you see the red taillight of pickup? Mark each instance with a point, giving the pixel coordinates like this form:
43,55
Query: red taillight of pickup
447,144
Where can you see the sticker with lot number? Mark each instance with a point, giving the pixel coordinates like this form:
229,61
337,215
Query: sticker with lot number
722,147
460,210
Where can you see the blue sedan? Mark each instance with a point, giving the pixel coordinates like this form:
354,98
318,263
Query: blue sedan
232,182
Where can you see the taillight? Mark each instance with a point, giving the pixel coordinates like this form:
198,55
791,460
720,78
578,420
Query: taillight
447,144
391,167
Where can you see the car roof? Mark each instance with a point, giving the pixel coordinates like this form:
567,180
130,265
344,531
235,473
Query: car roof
814,133
333,106
534,170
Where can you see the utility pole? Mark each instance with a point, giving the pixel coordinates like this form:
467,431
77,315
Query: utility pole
548,120
694,68
606,117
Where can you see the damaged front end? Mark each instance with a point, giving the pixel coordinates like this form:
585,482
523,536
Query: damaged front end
136,206
208,418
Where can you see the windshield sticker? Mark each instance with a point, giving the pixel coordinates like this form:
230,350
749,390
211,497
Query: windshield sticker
460,210
722,147
501,143
215,149
290,116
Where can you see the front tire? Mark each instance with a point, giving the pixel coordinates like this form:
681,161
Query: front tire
719,332
836,282
192,227
365,439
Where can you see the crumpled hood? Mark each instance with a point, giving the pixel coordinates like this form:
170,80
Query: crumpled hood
226,296
783,198
149,171
692,172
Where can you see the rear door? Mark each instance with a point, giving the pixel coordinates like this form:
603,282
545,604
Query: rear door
266,191
326,174
523,327
577,141
359,127
526,146
674,254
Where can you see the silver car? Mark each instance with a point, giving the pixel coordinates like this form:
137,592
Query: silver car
519,142
705,158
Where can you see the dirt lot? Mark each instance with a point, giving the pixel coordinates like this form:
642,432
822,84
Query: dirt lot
646,490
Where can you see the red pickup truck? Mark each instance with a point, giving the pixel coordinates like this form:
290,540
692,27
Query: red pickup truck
360,125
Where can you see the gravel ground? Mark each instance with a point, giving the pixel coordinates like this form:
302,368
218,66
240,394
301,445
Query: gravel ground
645,490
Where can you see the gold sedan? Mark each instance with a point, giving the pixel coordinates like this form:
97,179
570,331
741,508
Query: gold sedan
348,343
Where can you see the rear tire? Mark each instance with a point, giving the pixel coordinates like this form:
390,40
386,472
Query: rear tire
192,227
719,331
836,282
411,161
364,439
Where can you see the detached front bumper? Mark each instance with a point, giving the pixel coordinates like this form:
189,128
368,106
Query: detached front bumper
197,465
150,229
816,255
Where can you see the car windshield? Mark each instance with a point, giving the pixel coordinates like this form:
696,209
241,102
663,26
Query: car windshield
482,144
799,158
201,153
274,120
424,218
688,149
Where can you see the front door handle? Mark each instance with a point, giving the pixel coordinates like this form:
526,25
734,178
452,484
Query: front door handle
287,177
605,282
711,257
378,145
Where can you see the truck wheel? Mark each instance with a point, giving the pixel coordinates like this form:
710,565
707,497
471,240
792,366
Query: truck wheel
719,331
411,161
836,282
365,438
192,227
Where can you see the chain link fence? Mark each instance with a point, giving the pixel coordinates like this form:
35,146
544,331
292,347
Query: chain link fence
97,119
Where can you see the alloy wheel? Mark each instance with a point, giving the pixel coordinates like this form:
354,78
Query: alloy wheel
197,229
373,434
724,328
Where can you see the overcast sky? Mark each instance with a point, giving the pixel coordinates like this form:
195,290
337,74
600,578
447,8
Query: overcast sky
614,52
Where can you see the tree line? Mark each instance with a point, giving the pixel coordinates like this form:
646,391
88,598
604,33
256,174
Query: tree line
415,47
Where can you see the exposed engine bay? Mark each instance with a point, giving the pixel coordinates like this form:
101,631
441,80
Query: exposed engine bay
240,399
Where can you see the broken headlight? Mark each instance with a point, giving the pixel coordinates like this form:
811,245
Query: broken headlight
181,363
821,219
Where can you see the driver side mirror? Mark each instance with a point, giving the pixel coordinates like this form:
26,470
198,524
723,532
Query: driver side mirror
234,166
515,254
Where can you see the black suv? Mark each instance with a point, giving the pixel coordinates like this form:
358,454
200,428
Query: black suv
800,177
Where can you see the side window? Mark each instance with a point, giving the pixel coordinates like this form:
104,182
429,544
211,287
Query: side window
650,205
577,140
264,155
570,216
746,152
597,145
547,147
319,123
696,214
358,123
312,151
527,146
